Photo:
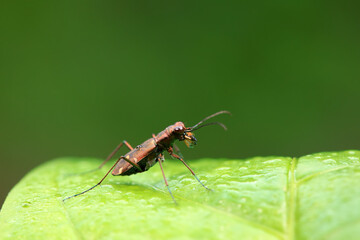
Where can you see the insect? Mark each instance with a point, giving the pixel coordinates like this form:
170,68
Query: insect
150,152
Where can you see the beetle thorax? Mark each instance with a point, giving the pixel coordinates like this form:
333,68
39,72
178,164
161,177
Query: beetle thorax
170,134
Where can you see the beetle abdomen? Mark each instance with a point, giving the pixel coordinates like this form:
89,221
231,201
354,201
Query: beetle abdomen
144,156
128,169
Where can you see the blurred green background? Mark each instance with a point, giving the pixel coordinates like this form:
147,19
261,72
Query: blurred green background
78,77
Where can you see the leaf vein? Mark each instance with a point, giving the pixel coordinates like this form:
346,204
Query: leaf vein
291,201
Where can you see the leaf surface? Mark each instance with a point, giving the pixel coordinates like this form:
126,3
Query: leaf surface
314,197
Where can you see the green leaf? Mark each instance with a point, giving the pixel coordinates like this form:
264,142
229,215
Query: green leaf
313,197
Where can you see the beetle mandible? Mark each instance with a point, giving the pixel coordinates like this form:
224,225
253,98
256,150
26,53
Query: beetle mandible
147,154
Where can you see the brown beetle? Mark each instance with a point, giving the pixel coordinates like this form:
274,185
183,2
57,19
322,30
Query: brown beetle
147,154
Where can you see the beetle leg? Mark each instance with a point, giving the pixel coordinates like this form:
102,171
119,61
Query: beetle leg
182,160
115,151
109,157
132,163
160,159
96,184
122,157
177,150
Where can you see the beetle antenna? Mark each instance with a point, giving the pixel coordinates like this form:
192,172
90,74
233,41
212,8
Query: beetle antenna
207,124
207,118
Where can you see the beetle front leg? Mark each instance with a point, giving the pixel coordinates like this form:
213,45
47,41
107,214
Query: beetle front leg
170,151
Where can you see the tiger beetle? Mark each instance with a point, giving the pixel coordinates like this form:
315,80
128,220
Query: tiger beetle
147,154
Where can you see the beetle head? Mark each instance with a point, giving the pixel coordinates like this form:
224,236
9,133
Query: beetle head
182,133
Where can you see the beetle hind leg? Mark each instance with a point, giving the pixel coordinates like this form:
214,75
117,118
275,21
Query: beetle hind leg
95,184
115,151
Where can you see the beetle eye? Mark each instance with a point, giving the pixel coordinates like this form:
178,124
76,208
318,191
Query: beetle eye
178,129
